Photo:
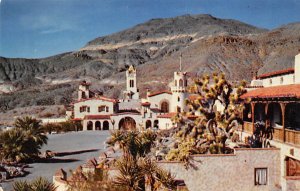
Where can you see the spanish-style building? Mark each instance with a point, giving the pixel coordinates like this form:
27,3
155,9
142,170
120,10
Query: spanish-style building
97,112
275,102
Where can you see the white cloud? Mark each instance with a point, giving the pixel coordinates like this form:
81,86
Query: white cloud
51,23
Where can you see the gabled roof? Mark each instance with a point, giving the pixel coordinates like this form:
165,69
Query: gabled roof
160,92
276,73
97,117
285,91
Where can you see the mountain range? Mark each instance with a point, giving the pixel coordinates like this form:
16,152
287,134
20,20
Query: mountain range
207,44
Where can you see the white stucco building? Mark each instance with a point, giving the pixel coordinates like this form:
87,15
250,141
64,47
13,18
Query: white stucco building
97,112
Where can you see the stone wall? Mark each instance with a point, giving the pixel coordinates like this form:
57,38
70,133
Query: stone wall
229,172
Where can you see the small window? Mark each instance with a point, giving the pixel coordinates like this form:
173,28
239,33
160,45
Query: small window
281,80
88,109
131,83
101,108
260,176
107,109
270,82
178,99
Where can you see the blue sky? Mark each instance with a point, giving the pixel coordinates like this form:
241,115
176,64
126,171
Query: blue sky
41,28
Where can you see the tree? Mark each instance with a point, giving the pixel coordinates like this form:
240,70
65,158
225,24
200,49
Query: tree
33,129
135,167
219,107
23,142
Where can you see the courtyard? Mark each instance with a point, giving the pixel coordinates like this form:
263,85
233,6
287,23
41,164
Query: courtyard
77,148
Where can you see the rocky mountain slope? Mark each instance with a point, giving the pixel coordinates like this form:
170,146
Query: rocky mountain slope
206,43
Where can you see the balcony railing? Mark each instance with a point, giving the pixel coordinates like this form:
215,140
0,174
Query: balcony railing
292,136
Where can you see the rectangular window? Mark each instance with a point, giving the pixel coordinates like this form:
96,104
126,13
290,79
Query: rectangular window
260,176
88,109
101,108
107,109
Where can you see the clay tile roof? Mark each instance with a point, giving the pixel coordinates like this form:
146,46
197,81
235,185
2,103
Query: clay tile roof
276,73
97,117
167,115
286,91
160,92
146,104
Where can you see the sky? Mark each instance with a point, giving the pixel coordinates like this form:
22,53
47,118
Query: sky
41,28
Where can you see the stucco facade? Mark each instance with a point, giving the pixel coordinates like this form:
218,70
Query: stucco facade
234,172
96,111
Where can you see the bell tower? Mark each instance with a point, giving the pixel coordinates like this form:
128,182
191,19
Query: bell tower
131,84
83,90
179,91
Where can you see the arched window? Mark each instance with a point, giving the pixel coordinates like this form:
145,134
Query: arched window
185,82
178,99
148,124
180,83
164,107
105,125
90,126
98,125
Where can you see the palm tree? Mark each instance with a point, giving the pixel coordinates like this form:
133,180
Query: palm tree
14,146
33,129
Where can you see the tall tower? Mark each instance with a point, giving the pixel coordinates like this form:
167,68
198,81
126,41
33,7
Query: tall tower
83,90
131,84
179,91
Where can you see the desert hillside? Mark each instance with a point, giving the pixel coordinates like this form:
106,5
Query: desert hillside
206,43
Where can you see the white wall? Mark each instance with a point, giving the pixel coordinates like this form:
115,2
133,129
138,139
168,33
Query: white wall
276,81
158,99
93,104
297,68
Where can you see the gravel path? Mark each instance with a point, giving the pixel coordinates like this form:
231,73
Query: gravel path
74,141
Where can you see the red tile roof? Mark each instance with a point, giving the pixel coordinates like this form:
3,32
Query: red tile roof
276,73
97,117
167,115
290,91
99,98
146,104
161,92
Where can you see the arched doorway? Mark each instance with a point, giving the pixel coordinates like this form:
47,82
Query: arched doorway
127,123
98,125
148,124
89,125
164,107
105,125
